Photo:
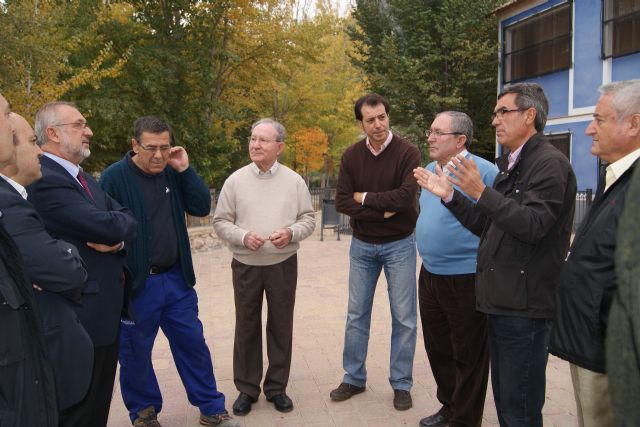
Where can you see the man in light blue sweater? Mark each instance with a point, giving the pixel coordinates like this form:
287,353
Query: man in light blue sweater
455,334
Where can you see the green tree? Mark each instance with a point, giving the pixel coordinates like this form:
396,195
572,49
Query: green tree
430,56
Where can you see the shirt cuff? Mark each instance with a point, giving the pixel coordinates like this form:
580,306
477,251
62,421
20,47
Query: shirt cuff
363,196
449,198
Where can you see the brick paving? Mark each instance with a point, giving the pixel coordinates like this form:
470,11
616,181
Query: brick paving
317,355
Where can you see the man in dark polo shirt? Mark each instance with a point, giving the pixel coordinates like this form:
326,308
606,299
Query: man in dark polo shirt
156,182
377,190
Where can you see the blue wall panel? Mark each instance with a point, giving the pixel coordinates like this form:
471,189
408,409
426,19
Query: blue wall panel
587,65
585,164
556,87
626,67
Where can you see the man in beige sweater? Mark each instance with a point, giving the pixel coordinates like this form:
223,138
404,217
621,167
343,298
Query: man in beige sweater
264,211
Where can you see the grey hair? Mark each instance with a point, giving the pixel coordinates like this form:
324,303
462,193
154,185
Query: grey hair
276,125
530,95
460,122
625,97
47,116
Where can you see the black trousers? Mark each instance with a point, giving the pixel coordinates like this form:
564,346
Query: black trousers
455,338
278,283
93,410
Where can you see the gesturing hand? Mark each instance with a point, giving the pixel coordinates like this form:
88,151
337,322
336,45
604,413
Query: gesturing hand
437,183
467,176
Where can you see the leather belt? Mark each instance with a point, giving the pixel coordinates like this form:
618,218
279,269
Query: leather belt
156,269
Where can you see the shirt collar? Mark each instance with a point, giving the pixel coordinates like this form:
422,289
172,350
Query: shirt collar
513,156
384,145
73,169
271,170
18,187
616,169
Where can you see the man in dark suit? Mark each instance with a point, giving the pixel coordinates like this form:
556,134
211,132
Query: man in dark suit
53,266
75,209
27,393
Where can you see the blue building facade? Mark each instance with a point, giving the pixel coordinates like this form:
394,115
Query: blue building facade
570,48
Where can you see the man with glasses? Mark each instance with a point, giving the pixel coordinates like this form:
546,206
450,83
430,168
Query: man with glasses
264,211
524,221
455,334
155,181
377,190
75,209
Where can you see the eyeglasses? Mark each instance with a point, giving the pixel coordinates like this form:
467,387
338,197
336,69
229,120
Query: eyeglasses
256,140
501,112
437,134
77,125
164,149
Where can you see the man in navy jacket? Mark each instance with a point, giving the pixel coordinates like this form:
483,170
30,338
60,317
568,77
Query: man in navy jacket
26,377
74,208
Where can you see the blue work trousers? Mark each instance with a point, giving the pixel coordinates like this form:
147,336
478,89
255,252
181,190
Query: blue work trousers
167,302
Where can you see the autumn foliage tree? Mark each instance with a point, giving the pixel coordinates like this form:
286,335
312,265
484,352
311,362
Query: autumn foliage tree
208,67
309,148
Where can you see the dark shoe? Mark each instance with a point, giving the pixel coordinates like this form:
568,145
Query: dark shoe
345,391
147,418
220,420
436,420
242,405
282,402
402,400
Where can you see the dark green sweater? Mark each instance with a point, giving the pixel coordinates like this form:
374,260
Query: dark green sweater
188,194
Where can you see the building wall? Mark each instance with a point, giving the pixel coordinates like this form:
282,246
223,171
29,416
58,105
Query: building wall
573,93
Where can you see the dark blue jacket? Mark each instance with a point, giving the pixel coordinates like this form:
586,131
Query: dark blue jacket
56,267
188,194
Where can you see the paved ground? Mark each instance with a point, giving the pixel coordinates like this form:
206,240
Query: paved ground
317,354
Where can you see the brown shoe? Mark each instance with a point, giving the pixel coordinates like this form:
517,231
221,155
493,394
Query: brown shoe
402,400
345,391
147,418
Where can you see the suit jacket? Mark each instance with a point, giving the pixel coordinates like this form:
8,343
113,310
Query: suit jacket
27,392
56,267
69,213
588,282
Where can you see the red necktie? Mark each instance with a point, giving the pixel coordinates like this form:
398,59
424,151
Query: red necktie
83,182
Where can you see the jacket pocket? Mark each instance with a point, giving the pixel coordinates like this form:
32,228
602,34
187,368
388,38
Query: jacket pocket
505,285
11,345
92,287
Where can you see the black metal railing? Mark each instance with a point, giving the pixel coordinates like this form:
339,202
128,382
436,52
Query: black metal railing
318,195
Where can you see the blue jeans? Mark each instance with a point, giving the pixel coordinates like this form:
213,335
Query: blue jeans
166,302
519,353
399,262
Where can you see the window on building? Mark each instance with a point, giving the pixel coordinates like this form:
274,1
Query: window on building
562,141
538,45
621,27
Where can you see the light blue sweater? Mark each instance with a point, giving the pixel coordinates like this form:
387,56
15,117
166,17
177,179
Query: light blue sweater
445,246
